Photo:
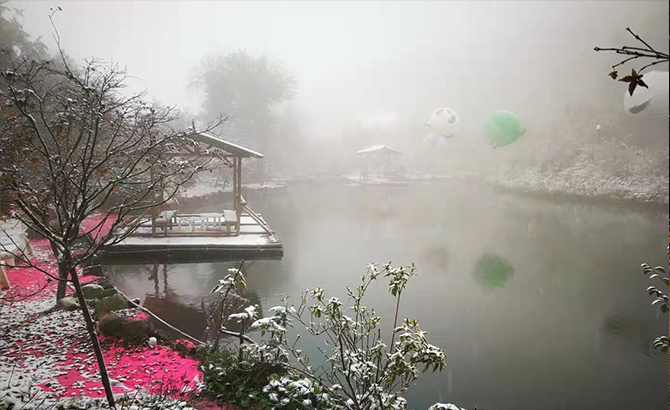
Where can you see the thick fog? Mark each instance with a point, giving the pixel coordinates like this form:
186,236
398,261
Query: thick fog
528,217
365,73
360,60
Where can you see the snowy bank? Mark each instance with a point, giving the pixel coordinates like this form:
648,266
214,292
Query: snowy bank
46,356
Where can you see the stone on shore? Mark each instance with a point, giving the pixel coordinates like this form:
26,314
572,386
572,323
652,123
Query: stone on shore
92,291
131,325
110,304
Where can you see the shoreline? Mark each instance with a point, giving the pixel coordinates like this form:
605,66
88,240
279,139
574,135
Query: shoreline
615,198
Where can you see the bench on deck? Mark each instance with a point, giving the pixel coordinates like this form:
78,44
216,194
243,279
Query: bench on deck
212,217
230,218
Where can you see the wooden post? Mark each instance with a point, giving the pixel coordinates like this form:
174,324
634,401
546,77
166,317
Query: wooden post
152,175
238,209
235,193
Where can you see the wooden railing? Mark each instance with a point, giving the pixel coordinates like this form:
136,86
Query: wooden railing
255,216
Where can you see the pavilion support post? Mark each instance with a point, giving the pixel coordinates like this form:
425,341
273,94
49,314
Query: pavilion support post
235,193
152,175
238,208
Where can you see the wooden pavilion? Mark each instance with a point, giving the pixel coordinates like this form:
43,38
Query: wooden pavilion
380,161
220,234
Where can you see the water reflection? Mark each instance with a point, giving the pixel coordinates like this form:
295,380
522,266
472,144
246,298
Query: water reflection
554,340
623,333
188,318
177,294
436,257
493,271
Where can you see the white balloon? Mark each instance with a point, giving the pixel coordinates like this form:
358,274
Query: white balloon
444,121
598,127
652,101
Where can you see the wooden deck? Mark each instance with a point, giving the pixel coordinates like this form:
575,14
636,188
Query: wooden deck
197,238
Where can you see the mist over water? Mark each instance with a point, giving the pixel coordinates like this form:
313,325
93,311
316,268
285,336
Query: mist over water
563,324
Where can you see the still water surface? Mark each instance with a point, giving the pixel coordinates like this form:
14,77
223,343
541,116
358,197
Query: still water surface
536,304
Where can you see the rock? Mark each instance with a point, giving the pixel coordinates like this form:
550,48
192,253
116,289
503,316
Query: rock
110,304
69,303
106,284
92,303
109,292
92,270
93,291
134,330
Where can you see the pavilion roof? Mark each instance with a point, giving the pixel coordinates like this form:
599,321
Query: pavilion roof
217,142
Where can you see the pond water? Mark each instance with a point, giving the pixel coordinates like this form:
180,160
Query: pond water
537,304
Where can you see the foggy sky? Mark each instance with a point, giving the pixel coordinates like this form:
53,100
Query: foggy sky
361,59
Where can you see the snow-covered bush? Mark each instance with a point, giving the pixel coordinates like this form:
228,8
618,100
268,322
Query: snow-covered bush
661,299
440,406
296,393
361,370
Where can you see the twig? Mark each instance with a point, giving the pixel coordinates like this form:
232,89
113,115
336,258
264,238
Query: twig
236,334
652,64
9,382
640,39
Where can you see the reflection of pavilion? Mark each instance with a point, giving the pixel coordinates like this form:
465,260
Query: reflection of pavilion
237,233
189,319
174,309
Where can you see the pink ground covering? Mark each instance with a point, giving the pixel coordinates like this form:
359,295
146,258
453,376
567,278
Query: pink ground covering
53,344
98,225
153,369
28,280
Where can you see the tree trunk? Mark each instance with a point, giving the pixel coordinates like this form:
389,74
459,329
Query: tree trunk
90,326
63,272
61,290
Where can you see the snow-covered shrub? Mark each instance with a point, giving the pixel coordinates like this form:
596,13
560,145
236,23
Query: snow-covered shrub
237,377
362,370
440,406
661,299
297,393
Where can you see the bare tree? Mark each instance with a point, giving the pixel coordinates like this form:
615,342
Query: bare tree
648,53
71,146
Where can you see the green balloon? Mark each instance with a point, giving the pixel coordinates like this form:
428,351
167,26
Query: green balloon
503,128
493,271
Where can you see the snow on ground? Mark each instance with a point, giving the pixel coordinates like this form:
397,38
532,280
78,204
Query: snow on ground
200,190
205,189
585,182
264,186
46,356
